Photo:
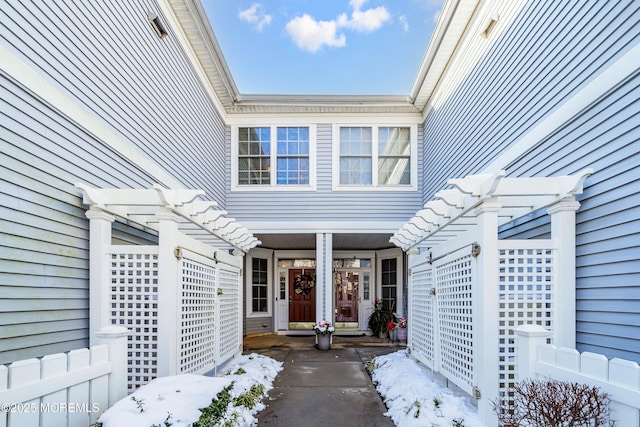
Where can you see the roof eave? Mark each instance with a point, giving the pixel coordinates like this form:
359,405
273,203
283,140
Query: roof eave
452,24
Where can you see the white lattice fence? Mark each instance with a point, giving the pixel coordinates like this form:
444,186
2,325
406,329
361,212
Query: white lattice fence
134,305
421,326
198,309
228,315
525,295
455,316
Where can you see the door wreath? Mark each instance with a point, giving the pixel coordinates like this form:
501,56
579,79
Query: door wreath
303,284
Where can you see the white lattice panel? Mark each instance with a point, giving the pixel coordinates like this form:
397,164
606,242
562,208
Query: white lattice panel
134,305
197,319
421,318
454,295
229,318
525,294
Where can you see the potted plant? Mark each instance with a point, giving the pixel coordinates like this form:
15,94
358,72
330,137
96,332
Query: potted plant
323,330
401,330
380,318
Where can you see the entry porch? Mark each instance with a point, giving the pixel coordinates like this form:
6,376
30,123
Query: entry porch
304,278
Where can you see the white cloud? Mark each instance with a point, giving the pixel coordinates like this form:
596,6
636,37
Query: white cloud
364,21
404,23
255,15
311,35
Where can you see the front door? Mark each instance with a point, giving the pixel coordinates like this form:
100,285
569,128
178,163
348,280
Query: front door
347,288
302,297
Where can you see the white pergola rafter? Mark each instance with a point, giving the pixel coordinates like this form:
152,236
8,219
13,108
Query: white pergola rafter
199,219
452,211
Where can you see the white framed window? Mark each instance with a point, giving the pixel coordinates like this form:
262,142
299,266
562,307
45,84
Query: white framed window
259,301
380,157
273,157
390,279
259,285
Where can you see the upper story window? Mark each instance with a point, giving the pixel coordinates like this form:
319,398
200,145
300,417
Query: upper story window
276,157
375,156
394,156
356,158
254,156
293,155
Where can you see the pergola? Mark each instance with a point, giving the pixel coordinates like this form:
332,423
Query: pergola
451,214
195,218
469,289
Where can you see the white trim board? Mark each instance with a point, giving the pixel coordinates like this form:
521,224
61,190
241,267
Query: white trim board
618,72
70,108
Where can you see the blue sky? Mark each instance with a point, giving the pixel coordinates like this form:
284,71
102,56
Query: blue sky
323,46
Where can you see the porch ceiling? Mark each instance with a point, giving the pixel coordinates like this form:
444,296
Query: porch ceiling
342,241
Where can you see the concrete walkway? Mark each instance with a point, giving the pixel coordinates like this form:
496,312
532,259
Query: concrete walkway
321,388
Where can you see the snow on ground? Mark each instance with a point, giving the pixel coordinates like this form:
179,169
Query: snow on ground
413,398
176,400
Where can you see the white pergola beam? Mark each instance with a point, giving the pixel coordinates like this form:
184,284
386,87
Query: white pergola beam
198,218
452,213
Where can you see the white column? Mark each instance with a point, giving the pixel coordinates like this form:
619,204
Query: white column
530,336
563,236
168,293
116,338
324,277
485,309
99,244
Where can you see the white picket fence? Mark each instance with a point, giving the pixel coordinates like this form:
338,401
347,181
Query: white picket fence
619,378
65,389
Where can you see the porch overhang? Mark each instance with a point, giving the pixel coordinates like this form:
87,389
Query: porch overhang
453,213
199,219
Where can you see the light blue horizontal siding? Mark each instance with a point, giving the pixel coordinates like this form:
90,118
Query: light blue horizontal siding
549,53
106,56
258,325
324,204
44,247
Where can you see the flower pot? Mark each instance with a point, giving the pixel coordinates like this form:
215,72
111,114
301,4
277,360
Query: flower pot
401,334
324,341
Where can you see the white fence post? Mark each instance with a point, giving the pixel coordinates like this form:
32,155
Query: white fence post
530,336
116,337
563,235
